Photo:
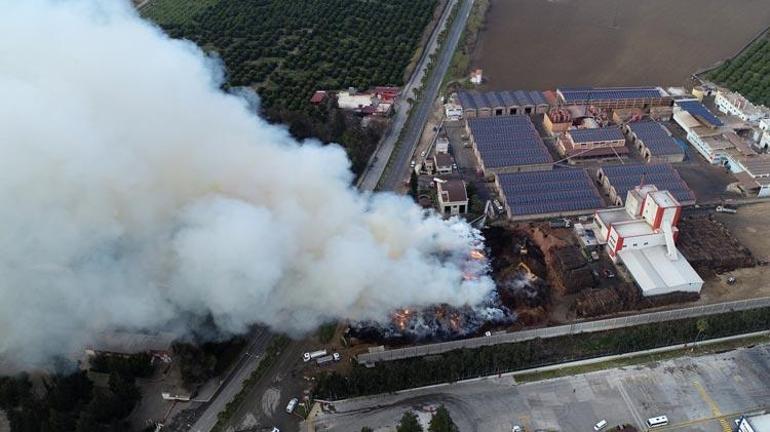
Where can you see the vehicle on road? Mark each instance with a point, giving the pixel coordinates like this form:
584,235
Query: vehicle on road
329,358
412,163
313,355
656,422
600,425
723,209
454,166
498,206
292,405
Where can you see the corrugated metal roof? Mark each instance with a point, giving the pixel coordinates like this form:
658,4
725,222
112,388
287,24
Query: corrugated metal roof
612,133
656,137
508,141
542,192
656,273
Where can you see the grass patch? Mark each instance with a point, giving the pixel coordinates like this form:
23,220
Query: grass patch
326,332
643,359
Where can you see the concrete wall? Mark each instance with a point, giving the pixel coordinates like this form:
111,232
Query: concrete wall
564,330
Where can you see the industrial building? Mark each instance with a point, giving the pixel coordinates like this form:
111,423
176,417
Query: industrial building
735,104
643,235
125,344
654,142
507,144
443,163
615,97
546,194
754,174
617,180
596,143
501,103
758,423
452,197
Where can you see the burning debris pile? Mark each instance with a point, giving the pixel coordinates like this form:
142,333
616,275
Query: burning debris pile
518,287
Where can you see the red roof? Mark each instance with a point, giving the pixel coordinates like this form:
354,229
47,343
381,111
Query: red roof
318,97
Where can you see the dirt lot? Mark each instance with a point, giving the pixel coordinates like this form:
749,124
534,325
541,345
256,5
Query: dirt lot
541,44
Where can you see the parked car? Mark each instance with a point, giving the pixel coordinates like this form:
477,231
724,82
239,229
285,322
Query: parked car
517,428
275,429
600,425
498,206
292,405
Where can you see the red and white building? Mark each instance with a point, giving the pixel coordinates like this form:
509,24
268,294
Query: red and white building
642,235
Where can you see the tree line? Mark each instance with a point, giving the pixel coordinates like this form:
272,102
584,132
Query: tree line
440,421
748,73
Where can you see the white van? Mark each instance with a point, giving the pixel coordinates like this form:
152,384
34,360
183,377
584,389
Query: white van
656,422
601,425
292,405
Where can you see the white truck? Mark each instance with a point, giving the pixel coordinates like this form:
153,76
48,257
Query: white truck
326,359
723,209
313,355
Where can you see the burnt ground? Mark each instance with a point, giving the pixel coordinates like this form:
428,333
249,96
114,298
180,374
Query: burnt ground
542,44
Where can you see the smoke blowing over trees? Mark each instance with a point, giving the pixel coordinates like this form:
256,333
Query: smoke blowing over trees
136,195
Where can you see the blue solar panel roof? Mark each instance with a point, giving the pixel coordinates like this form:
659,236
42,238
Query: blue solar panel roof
476,100
656,137
610,93
508,141
698,110
663,176
597,134
541,192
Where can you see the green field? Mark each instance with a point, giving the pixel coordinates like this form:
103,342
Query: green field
287,49
748,73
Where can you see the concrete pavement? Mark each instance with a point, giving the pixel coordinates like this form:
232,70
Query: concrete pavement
693,392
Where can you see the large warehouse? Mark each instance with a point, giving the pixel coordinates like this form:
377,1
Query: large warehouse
617,180
507,144
501,103
546,194
615,97
654,142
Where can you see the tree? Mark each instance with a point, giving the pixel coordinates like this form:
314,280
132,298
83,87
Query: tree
409,423
442,421
702,325
366,429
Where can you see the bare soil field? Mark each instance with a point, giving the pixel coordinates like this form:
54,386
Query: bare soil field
542,44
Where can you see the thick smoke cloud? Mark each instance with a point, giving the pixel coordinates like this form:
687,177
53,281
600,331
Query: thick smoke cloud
134,193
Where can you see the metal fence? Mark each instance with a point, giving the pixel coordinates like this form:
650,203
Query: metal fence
371,358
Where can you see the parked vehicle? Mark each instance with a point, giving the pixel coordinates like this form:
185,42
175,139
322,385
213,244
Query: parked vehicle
312,355
412,164
608,274
275,429
723,209
656,422
498,206
731,280
560,223
517,428
292,405
594,256
329,358
600,425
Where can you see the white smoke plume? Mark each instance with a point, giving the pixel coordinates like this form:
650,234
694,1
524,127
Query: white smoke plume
134,192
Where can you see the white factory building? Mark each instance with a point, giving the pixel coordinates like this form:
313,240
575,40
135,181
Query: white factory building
735,104
642,235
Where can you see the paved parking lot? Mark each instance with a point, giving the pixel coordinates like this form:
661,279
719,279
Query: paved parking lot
692,392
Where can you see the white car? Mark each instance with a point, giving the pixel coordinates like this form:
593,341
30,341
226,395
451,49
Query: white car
292,405
601,425
275,429
412,164
422,154
517,428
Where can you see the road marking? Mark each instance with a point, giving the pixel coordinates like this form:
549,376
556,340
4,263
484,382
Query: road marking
629,404
714,407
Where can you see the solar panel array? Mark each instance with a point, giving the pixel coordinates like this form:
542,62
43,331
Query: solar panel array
699,111
656,137
663,176
555,191
508,141
610,93
491,100
612,133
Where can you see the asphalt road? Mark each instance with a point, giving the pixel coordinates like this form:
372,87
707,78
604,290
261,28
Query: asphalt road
379,160
419,115
234,381
700,394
